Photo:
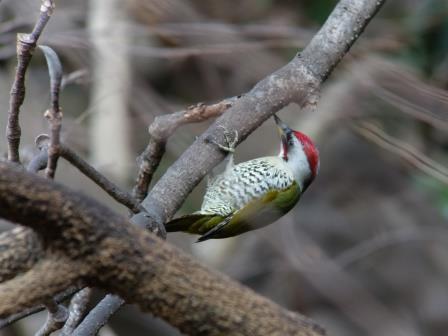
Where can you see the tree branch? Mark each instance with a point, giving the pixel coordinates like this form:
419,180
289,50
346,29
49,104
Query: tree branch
39,162
99,315
87,242
159,132
53,114
26,43
77,309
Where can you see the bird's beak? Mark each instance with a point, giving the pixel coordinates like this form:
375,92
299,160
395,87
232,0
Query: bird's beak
283,130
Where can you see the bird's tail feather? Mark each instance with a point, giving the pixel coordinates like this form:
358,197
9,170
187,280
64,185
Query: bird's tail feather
187,223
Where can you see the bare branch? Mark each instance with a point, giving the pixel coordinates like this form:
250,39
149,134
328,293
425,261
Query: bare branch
108,186
99,315
53,114
404,150
79,77
77,309
26,44
161,129
39,162
390,239
89,243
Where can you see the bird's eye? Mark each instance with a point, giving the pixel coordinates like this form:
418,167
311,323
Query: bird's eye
289,139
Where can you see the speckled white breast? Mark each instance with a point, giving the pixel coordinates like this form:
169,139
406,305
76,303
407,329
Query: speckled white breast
245,182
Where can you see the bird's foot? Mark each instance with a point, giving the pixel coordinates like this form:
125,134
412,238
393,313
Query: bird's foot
230,143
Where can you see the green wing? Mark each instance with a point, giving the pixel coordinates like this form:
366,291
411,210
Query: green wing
256,214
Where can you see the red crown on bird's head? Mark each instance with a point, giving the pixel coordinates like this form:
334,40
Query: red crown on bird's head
311,152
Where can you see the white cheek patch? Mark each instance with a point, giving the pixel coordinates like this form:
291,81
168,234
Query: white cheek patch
298,163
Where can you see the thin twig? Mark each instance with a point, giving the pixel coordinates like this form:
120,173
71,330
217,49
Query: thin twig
390,239
438,120
26,44
53,114
79,77
161,129
39,162
33,310
404,150
108,186
99,315
77,309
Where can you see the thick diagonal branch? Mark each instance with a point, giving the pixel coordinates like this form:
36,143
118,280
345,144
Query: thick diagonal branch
102,249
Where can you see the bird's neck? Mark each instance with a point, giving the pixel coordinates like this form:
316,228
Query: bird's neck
297,162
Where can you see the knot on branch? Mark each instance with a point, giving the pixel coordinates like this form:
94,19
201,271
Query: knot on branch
53,115
25,45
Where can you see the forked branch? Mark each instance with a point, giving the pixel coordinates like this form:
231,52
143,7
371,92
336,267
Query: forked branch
161,129
26,43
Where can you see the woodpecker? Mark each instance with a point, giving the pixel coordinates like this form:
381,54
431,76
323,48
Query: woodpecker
255,193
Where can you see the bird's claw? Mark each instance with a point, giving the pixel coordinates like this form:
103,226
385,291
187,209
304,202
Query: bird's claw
231,143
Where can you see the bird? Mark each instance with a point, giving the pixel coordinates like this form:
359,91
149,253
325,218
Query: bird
254,193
